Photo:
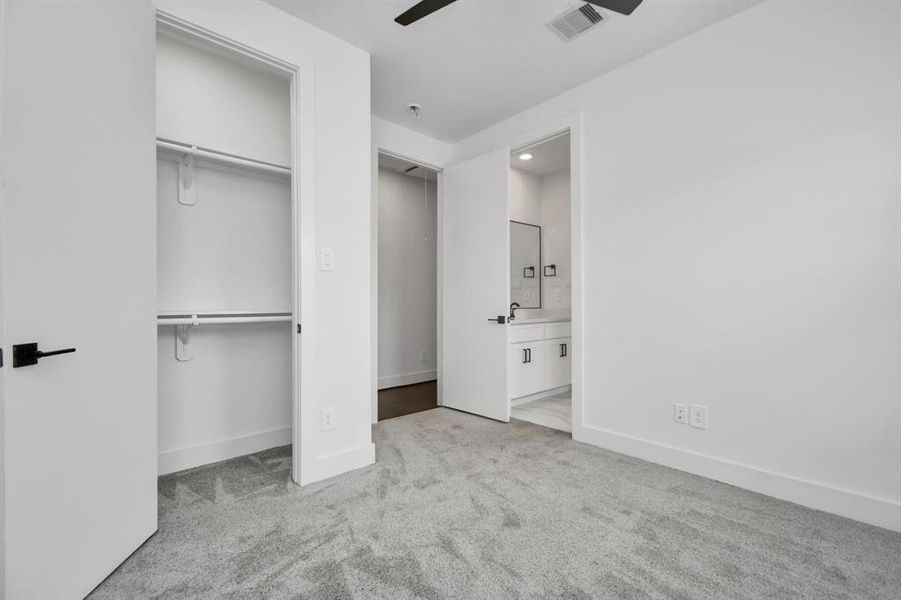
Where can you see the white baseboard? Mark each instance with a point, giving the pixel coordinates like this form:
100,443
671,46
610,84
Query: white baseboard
390,381
204,454
539,395
338,463
882,512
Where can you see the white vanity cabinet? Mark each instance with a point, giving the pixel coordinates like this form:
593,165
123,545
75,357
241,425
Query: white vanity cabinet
557,369
525,373
538,358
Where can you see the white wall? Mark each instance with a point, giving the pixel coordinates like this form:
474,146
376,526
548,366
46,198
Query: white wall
398,139
213,100
545,200
333,158
556,240
407,279
741,227
525,196
230,251
231,399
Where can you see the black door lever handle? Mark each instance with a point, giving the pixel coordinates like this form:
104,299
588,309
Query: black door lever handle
500,320
25,355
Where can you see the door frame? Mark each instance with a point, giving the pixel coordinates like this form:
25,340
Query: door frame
573,124
3,337
302,213
374,272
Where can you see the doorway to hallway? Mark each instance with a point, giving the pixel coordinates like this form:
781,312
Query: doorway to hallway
407,287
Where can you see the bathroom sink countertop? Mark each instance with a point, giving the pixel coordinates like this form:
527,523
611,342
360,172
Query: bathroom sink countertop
534,320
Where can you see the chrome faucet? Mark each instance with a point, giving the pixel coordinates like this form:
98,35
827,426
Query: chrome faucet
513,307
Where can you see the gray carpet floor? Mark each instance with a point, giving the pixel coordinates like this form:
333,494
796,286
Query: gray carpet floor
462,507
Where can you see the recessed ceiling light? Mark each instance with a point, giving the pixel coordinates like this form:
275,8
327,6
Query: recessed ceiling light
525,156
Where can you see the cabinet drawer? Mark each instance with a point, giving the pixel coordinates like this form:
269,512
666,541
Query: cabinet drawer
525,333
557,330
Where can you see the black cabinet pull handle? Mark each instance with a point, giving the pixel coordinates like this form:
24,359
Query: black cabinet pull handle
25,355
525,355
529,354
500,320
563,350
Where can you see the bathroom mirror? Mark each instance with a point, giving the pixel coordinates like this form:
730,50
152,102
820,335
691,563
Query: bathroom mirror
525,264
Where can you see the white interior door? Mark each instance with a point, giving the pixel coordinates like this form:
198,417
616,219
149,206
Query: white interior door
78,270
475,286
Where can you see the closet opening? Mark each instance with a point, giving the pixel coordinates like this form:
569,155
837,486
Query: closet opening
407,284
227,269
540,347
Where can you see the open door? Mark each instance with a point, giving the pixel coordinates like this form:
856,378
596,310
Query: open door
475,287
78,268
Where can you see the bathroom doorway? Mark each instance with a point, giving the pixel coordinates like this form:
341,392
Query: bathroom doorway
540,350
407,287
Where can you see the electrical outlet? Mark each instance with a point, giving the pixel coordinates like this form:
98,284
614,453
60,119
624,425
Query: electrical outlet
326,259
328,418
558,295
698,416
680,413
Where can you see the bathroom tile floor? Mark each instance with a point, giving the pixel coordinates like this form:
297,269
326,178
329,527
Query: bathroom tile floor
554,411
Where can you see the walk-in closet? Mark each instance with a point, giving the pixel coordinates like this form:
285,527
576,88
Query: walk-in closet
226,252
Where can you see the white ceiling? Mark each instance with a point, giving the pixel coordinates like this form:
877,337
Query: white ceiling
548,157
477,62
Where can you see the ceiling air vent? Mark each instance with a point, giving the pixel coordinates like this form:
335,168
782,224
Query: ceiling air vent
575,22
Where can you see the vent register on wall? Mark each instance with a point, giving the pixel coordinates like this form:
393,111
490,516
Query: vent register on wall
225,266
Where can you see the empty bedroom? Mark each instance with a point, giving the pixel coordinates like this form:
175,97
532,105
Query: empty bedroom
450,299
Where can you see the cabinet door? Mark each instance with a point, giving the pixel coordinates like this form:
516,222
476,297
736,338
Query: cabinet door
557,363
525,370
516,366
534,369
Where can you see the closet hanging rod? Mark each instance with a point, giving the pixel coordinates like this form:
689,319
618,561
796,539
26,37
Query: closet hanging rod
221,157
222,318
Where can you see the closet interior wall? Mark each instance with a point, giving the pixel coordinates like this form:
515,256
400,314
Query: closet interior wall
225,248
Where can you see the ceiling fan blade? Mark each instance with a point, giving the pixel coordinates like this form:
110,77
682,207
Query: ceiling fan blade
623,7
420,10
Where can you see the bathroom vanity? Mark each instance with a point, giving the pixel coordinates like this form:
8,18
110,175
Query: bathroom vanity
538,356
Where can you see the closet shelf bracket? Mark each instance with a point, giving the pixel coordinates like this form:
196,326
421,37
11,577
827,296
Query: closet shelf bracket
186,194
183,351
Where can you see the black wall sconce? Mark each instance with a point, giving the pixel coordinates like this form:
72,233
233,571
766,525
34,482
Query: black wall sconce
528,272
550,270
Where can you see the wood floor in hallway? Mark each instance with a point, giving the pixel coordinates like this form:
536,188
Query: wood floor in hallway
407,399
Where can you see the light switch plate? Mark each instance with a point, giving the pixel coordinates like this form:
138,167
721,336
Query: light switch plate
680,413
326,259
